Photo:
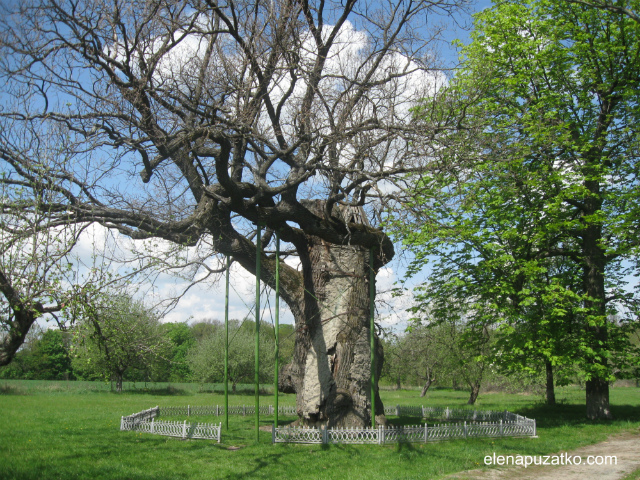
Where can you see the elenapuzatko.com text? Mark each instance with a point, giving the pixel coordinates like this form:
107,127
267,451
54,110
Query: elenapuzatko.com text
551,460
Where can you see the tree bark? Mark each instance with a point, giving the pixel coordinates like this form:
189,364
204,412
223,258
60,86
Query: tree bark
426,387
550,390
595,260
428,382
475,391
330,371
598,399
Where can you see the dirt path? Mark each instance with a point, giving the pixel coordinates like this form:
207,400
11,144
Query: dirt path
626,449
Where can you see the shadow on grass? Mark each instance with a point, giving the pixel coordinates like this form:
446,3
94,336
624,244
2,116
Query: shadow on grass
573,415
11,390
160,391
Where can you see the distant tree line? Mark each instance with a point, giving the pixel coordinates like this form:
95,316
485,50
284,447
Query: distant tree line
116,338
462,355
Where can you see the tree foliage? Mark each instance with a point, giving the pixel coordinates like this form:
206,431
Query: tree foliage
116,333
206,359
531,209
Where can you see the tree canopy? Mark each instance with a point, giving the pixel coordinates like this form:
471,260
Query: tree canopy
530,211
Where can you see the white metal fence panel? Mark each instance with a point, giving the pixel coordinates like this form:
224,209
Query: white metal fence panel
401,434
354,435
297,435
145,422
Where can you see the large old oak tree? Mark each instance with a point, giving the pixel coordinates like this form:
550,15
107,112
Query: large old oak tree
195,121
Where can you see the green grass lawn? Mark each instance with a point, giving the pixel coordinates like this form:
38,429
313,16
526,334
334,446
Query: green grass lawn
52,430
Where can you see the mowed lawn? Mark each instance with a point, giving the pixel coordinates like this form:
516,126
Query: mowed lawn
68,431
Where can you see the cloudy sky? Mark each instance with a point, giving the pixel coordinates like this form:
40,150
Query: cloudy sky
205,298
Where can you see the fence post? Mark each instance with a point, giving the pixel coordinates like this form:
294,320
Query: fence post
184,429
188,410
273,433
152,429
244,410
501,429
325,434
121,423
465,429
535,434
426,433
381,435
447,413
397,410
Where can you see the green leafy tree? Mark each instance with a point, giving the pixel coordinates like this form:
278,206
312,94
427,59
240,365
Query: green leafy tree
116,333
395,366
537,166
175,368
206,358
51,359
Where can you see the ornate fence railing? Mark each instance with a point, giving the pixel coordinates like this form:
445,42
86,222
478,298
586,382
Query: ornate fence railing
218,410
476,423
146,422
456,414
415,433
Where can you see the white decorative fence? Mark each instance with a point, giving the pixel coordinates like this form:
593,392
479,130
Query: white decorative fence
145,422
514,426
218,410
475,424
416,433
458,414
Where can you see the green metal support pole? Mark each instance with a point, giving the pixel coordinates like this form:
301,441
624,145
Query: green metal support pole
277,351
226,347
257,354
372,297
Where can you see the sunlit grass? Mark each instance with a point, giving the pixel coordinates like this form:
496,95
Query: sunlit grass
51,432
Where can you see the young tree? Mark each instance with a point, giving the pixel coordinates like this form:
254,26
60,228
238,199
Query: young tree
427,355
204,119
116,333
540,152
181,339
206,359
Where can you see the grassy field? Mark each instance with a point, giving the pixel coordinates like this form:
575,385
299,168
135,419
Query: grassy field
51,430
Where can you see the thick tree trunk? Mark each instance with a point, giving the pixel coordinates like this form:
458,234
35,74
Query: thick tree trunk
119,382
598,399
551,394
331,372
597,391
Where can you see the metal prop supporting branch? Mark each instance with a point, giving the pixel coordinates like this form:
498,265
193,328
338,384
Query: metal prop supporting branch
372,341
257,350
277,319
226,347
